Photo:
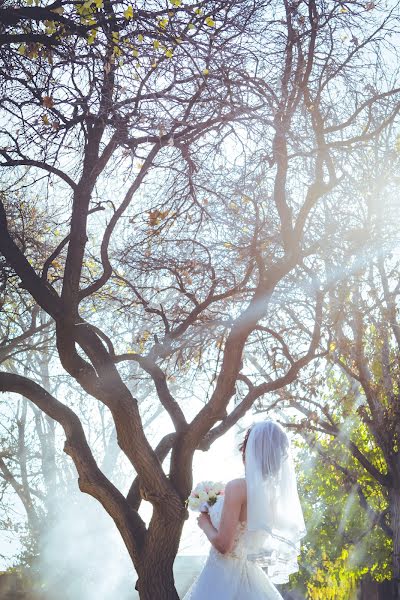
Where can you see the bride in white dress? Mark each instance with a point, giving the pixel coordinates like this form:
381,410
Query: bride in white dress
256,527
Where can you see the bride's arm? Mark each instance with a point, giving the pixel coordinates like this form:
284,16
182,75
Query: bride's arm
222,539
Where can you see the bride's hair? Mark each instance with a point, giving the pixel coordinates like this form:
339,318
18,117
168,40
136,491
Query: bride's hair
271,445
242,446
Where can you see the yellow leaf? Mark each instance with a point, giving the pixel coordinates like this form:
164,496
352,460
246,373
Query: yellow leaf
210,22
176,2
163,23
50,27
135,53
128,13
191,26
92,36
205,71
56,264
22,49
156,217
140,37
169,53
156,44
45,119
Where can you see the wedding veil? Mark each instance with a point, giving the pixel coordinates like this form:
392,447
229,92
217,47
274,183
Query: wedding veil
275,521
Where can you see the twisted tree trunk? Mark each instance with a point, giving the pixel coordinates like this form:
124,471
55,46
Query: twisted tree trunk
155,567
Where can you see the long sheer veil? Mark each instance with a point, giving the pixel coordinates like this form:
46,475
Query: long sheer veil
275,523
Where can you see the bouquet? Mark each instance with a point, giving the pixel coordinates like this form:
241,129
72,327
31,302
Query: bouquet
204,495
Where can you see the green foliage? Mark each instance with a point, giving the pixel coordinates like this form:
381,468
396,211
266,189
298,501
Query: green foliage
341,545
335,580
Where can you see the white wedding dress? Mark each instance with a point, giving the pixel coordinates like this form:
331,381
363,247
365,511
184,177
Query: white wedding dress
231,576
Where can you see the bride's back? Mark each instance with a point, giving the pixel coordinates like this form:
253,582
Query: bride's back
241,490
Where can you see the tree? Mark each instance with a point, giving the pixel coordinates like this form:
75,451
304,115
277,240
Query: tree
199,242
31,468
354,423
343,543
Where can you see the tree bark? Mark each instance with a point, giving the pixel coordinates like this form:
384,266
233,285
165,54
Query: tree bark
155,569
395,523
157,582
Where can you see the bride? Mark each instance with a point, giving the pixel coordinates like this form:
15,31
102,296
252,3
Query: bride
256,527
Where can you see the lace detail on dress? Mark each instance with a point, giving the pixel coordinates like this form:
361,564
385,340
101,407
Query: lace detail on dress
238,549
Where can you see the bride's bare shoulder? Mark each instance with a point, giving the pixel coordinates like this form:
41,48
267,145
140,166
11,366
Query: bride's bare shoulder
236,486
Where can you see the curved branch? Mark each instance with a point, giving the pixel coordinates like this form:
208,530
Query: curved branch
44,294
164,446
40,165
107,268
91,479
160,382
256,392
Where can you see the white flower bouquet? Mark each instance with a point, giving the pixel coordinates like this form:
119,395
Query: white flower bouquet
204,495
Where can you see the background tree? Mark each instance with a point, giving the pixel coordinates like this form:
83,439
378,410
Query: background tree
349,406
